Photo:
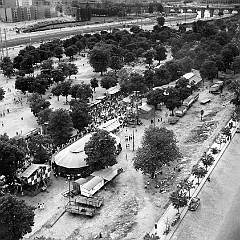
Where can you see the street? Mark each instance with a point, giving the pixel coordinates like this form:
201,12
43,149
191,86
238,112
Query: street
217,217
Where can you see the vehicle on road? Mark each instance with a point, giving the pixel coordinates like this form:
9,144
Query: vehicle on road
238,129
173,120
194,204
188,102
181,111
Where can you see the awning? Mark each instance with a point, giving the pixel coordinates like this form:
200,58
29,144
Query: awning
113,90
92,183
107,173
110,125
31,169
146,107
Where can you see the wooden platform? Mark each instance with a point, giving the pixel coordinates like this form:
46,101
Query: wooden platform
89,201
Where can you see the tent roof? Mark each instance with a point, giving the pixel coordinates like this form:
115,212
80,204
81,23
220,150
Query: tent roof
92,183
110,125
188,75
100,97
146,107
31,169
80,181
74,155
107,173
113,90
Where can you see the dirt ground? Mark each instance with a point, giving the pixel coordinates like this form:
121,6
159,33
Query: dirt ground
129,210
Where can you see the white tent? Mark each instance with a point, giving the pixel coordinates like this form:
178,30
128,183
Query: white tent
110,125
74,155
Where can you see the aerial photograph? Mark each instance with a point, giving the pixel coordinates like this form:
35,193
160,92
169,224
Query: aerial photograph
119,119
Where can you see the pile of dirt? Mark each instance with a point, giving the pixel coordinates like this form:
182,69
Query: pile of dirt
201,133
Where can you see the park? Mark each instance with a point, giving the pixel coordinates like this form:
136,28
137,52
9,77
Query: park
63,88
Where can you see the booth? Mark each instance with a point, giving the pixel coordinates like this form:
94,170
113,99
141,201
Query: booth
146,111
111,125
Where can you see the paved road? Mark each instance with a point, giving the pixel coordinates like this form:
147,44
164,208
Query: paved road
46,35
218,216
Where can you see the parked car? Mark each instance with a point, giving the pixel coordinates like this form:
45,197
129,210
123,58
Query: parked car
173,120
181,111
238,129
194,204
215,88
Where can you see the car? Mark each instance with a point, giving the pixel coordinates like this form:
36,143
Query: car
194,204
173,120
238,129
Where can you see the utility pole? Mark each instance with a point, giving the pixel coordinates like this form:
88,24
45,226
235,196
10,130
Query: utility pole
133,140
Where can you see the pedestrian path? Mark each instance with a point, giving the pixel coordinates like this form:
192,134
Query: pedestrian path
167,218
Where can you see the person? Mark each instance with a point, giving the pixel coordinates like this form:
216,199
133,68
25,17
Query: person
208,178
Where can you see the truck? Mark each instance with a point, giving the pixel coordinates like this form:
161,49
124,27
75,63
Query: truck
188,102
181,111
216,87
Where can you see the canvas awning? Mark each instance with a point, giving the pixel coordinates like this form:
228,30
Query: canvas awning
31,169
107,173
110,125
146,107
92,183
113,90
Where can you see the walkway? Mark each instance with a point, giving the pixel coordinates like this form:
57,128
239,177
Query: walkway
184,232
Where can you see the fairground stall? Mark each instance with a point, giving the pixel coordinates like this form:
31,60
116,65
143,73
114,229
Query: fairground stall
35,178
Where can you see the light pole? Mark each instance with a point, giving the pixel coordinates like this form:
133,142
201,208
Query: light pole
133,140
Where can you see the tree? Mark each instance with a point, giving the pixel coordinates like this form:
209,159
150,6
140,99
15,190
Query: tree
39,105
80,115
69,52
57,91
72,69
161,21
47,65
227,57
40,148
80,46
58,53
187,64
100,150
84,92
60,126
175,69
43,116
39,85
99,59
11,159
17,218
198,172
236,65
178,199
200,59
207,160
116,63
187,185
227,132
172,100
208,70
94,83
162,76
155,97
2,93
108,82
65,88
149,56
160,53
58,76
7,66
155,151
129,57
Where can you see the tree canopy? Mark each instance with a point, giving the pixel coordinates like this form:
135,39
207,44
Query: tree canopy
159,147
17,218
100,150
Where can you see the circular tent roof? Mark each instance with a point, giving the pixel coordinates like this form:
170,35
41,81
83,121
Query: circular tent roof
74,156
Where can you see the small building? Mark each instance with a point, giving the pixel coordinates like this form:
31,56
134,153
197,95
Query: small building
146,111
35,178
77,185
107,173
89,188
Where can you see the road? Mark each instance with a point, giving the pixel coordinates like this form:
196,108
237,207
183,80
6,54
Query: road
218,216
47,35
